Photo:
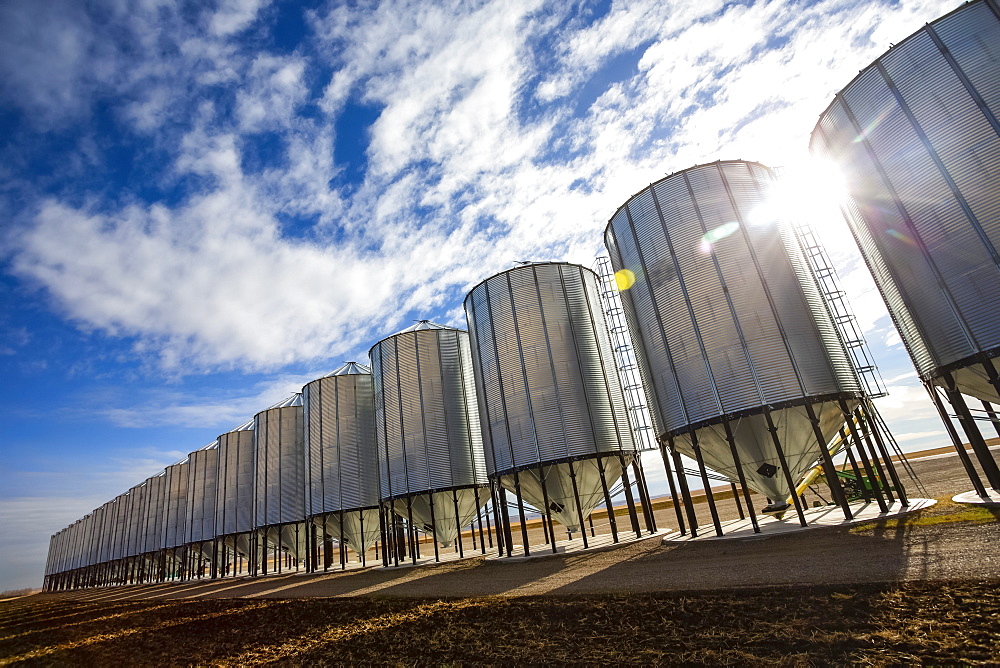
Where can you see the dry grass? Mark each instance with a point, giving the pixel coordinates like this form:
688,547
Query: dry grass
945,511
869,624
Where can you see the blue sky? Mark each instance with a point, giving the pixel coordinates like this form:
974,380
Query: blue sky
206,205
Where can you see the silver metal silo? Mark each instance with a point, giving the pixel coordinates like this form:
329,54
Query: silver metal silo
429,440
279,506
234,505
152,545
132,533
175,518
917,137
343,482
203,469
740,358
554,422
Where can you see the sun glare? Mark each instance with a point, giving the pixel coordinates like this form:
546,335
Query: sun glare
812,190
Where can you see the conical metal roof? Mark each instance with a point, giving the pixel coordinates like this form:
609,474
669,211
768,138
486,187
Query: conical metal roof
294,400
349,369
424,324
246,426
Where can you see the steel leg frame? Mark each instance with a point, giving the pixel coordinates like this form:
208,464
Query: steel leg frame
731,440
976,440
685,490
776,441
709,497
877,483
970,470
836,489
673,490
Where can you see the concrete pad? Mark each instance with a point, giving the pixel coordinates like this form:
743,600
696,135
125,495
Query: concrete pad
992,498
445,555
574,546
827,516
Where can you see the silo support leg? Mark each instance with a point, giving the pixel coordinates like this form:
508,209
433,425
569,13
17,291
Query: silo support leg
852,459
411,533
579,508
685,492
828,468
640,485
994,418
877,481
341,545
736,498
520,514
776,440
458,525
994,377
508,531
731,439
709,497
983,454
479,521
673,489
883,463
612,520
434,528
629,499
547,528
970,470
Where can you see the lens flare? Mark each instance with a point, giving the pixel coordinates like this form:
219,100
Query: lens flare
624,279
720,232
905,238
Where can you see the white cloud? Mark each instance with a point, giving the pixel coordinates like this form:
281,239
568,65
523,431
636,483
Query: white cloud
234,16
272,91
224,412
460,178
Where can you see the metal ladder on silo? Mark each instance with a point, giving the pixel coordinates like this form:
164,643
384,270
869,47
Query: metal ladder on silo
847,326
840,310
628,371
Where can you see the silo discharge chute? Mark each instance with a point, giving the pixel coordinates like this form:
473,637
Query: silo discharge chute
441,521
558,488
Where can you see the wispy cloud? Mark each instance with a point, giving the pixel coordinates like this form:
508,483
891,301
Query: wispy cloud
480,154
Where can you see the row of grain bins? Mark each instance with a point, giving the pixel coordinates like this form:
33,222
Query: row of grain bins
457,439
393,458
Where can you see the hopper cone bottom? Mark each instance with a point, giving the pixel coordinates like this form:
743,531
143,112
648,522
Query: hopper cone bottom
361,528
758,456
559,487
443,526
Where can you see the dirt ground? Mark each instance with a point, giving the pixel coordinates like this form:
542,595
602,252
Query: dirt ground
870,624
921,588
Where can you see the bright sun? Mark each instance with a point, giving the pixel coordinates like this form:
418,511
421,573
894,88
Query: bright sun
813,190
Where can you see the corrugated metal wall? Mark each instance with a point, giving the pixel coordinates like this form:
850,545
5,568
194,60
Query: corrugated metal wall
917,137
280,466
339,415
545,374
203,466
427,421
234,509
724,326
155,513
175,505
